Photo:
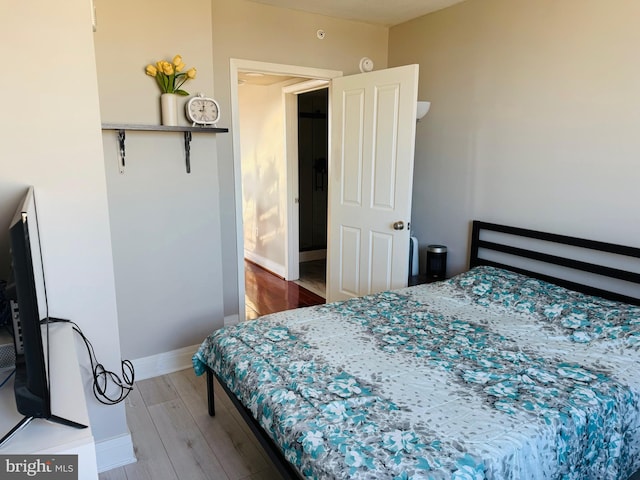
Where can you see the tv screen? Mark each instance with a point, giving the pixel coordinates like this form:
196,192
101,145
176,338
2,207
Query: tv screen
28,290
31,330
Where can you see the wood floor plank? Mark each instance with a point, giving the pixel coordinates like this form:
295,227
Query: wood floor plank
268,474
268,293
114,474
157,390
223,399
238,454
189,452
250,303
224,406
166,415
250,313
153,462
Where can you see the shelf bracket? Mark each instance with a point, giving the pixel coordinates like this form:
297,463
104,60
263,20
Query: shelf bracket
122,127
121,154
187,150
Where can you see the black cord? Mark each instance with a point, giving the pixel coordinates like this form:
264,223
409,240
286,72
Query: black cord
101,376
8,377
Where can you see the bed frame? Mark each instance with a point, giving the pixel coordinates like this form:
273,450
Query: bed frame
536,254
285,468
505,244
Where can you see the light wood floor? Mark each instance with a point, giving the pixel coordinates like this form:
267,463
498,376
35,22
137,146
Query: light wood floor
173,435
175,438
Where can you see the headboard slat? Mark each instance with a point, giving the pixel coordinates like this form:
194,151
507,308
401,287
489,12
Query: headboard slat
565,262
479,245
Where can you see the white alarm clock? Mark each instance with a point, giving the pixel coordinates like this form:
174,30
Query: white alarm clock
201,110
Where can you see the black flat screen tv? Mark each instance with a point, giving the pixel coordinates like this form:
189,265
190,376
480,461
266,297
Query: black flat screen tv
28,289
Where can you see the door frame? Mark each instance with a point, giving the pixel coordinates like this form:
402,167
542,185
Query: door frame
292,241
236,65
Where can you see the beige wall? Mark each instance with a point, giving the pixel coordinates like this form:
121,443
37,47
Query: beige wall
251,31
534,118
50,136
165,223
533,122
264,182
254,31
145,202
131,35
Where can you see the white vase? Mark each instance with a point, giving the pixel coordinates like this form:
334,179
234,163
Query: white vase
169,108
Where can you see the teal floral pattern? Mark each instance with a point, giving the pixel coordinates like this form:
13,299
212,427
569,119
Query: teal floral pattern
581,317
488,375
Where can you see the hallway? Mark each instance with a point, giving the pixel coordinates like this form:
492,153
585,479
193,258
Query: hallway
313,276
267,293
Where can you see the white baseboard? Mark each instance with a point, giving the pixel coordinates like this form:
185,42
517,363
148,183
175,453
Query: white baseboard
270,265
163,363
115,452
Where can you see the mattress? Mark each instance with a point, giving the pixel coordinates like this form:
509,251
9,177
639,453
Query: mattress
490,374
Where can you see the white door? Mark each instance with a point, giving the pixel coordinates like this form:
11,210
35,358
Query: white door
370,181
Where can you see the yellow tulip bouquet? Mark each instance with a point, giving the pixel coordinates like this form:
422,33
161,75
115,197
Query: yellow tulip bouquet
170,75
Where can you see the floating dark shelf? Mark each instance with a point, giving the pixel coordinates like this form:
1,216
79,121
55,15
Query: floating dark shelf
162,128
122,127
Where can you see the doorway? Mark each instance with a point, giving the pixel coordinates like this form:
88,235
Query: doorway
281,209
373,199
265,164
313,154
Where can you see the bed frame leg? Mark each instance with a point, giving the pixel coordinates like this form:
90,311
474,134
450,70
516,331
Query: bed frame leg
210,400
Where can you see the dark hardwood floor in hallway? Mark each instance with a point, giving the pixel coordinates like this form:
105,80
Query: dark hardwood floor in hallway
266,293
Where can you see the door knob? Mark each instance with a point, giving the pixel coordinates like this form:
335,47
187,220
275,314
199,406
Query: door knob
398,225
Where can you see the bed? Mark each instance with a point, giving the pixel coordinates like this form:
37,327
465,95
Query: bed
504,371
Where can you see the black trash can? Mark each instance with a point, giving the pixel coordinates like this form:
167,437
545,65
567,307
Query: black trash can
436,262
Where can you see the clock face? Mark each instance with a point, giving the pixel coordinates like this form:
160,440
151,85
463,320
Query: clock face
202,110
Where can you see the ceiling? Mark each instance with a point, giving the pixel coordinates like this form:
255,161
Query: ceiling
378,12
263,79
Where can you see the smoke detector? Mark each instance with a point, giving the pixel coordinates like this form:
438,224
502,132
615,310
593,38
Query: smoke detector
366,64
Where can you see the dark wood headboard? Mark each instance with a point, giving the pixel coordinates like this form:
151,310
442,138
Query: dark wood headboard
506,243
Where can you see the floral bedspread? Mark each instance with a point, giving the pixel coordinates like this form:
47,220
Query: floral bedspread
487,375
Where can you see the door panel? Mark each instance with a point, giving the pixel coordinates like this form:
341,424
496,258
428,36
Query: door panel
370,181
352,132
385,147
380,257
349,260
